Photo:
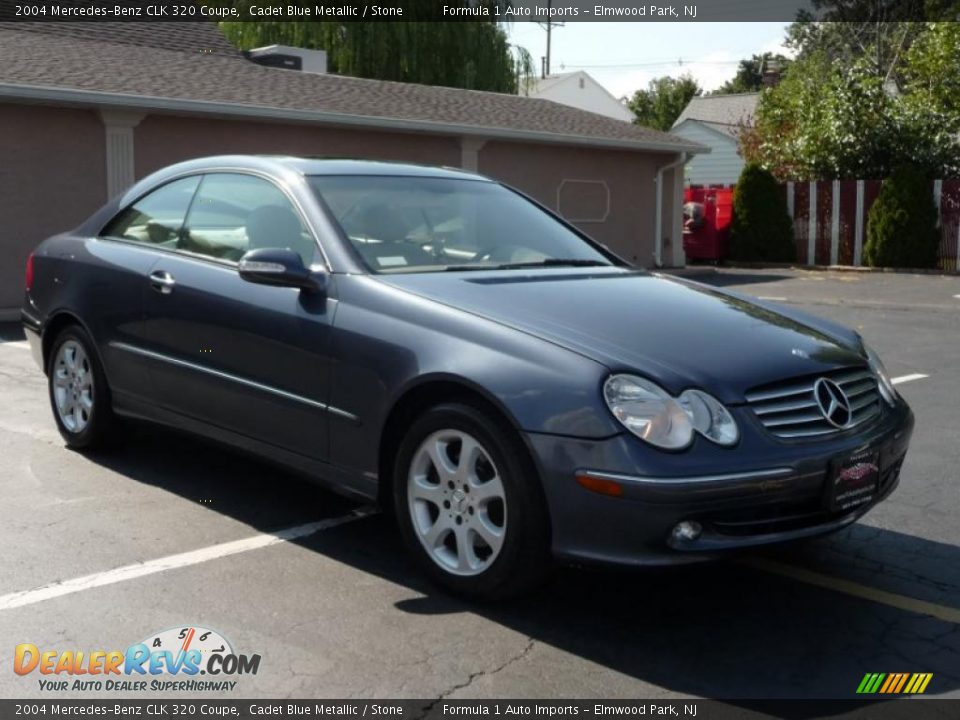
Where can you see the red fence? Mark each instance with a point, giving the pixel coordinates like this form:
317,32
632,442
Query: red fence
830,220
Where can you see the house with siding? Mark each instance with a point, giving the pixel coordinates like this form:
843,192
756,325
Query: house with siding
86,109
580,90
715,121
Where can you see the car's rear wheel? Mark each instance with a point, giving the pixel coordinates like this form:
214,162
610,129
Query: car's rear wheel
469,504
78,390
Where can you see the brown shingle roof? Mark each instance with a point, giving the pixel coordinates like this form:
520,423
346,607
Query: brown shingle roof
198,38
35,61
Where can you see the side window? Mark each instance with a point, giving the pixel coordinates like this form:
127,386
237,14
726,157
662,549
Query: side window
155,219
234,213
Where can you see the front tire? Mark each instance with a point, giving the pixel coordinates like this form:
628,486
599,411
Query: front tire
78,390
469,504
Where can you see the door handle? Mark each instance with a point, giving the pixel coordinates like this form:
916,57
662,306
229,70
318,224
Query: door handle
162,282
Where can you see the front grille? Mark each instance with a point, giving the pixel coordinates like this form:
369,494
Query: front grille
789,409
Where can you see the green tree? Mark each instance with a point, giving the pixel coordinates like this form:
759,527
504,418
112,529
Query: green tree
749,77
474,55
902,224
931,102
762,229
831,120
662,102
823,122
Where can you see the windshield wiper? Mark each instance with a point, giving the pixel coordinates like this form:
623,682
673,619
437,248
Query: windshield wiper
549,262
554,262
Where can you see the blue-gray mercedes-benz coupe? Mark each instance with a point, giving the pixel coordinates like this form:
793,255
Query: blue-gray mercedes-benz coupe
431,339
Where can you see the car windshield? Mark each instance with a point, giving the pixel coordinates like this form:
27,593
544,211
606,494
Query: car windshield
415,224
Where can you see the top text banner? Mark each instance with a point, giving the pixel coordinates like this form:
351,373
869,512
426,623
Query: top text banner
436,10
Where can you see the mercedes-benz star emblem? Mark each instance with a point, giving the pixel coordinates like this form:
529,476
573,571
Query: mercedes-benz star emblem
833,402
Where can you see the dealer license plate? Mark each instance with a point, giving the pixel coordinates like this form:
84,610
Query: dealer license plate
854,481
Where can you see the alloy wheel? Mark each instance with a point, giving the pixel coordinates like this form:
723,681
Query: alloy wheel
457,502
73,386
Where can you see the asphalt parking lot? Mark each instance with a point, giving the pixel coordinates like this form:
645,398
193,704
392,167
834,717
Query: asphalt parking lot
102,551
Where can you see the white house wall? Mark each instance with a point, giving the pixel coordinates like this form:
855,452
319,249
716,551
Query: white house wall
721,166
591,97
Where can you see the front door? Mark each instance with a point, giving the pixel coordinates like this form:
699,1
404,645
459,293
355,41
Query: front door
251,359
121,260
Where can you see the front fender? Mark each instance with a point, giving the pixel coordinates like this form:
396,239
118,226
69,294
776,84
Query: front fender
388,342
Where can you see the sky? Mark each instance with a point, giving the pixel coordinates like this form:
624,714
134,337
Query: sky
625,56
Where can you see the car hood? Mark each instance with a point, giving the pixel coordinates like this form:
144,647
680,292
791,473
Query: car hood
676,332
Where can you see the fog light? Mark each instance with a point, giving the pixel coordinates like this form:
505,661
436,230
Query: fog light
687,531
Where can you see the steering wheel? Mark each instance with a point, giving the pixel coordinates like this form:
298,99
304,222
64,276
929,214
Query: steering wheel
495,253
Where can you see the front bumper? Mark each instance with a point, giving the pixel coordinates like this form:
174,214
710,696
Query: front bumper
761,492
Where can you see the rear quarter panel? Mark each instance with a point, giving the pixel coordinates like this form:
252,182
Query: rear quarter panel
100,283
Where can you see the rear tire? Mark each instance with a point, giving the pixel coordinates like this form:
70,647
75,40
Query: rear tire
79,395
469,504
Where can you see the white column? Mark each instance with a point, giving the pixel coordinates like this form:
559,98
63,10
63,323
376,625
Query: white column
118,126
858,227
812,226
937,192
958,248
835,224
470,152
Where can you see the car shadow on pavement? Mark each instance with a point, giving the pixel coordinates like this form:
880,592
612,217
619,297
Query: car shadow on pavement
11,332
720,630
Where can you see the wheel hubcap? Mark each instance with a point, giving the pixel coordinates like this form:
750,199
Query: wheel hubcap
457,502
73,386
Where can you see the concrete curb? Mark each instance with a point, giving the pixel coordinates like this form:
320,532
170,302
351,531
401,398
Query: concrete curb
814,268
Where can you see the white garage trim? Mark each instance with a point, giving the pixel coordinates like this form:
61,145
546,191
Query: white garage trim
606,191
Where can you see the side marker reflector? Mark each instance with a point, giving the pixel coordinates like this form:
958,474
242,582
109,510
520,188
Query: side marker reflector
603,486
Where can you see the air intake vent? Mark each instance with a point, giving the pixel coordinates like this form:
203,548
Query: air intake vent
290,58
790,409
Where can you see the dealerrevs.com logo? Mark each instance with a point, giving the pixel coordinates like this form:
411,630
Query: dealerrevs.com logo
184,658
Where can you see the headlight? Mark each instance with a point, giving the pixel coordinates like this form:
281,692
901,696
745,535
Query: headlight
653,415
710,418
887,390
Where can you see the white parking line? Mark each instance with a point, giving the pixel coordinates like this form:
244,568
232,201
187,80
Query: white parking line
172,562
771,297
18,344
908,378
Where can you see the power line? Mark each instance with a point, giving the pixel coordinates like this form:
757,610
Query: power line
680,62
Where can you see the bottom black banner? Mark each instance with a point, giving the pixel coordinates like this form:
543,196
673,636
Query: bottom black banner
887,709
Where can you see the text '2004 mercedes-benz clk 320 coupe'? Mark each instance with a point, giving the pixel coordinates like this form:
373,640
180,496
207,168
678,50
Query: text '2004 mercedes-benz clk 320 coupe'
438,342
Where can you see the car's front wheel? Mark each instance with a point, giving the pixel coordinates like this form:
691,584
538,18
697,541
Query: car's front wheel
78,390
469,504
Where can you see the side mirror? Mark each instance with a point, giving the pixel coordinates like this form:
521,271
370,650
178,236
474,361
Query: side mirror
279,267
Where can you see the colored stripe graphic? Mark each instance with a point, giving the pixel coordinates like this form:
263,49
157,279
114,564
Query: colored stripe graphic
892,679
903,681
894,683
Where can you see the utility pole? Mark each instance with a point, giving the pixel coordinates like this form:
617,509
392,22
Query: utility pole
548,26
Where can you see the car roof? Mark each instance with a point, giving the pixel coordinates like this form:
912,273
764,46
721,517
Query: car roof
342,166
318,166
